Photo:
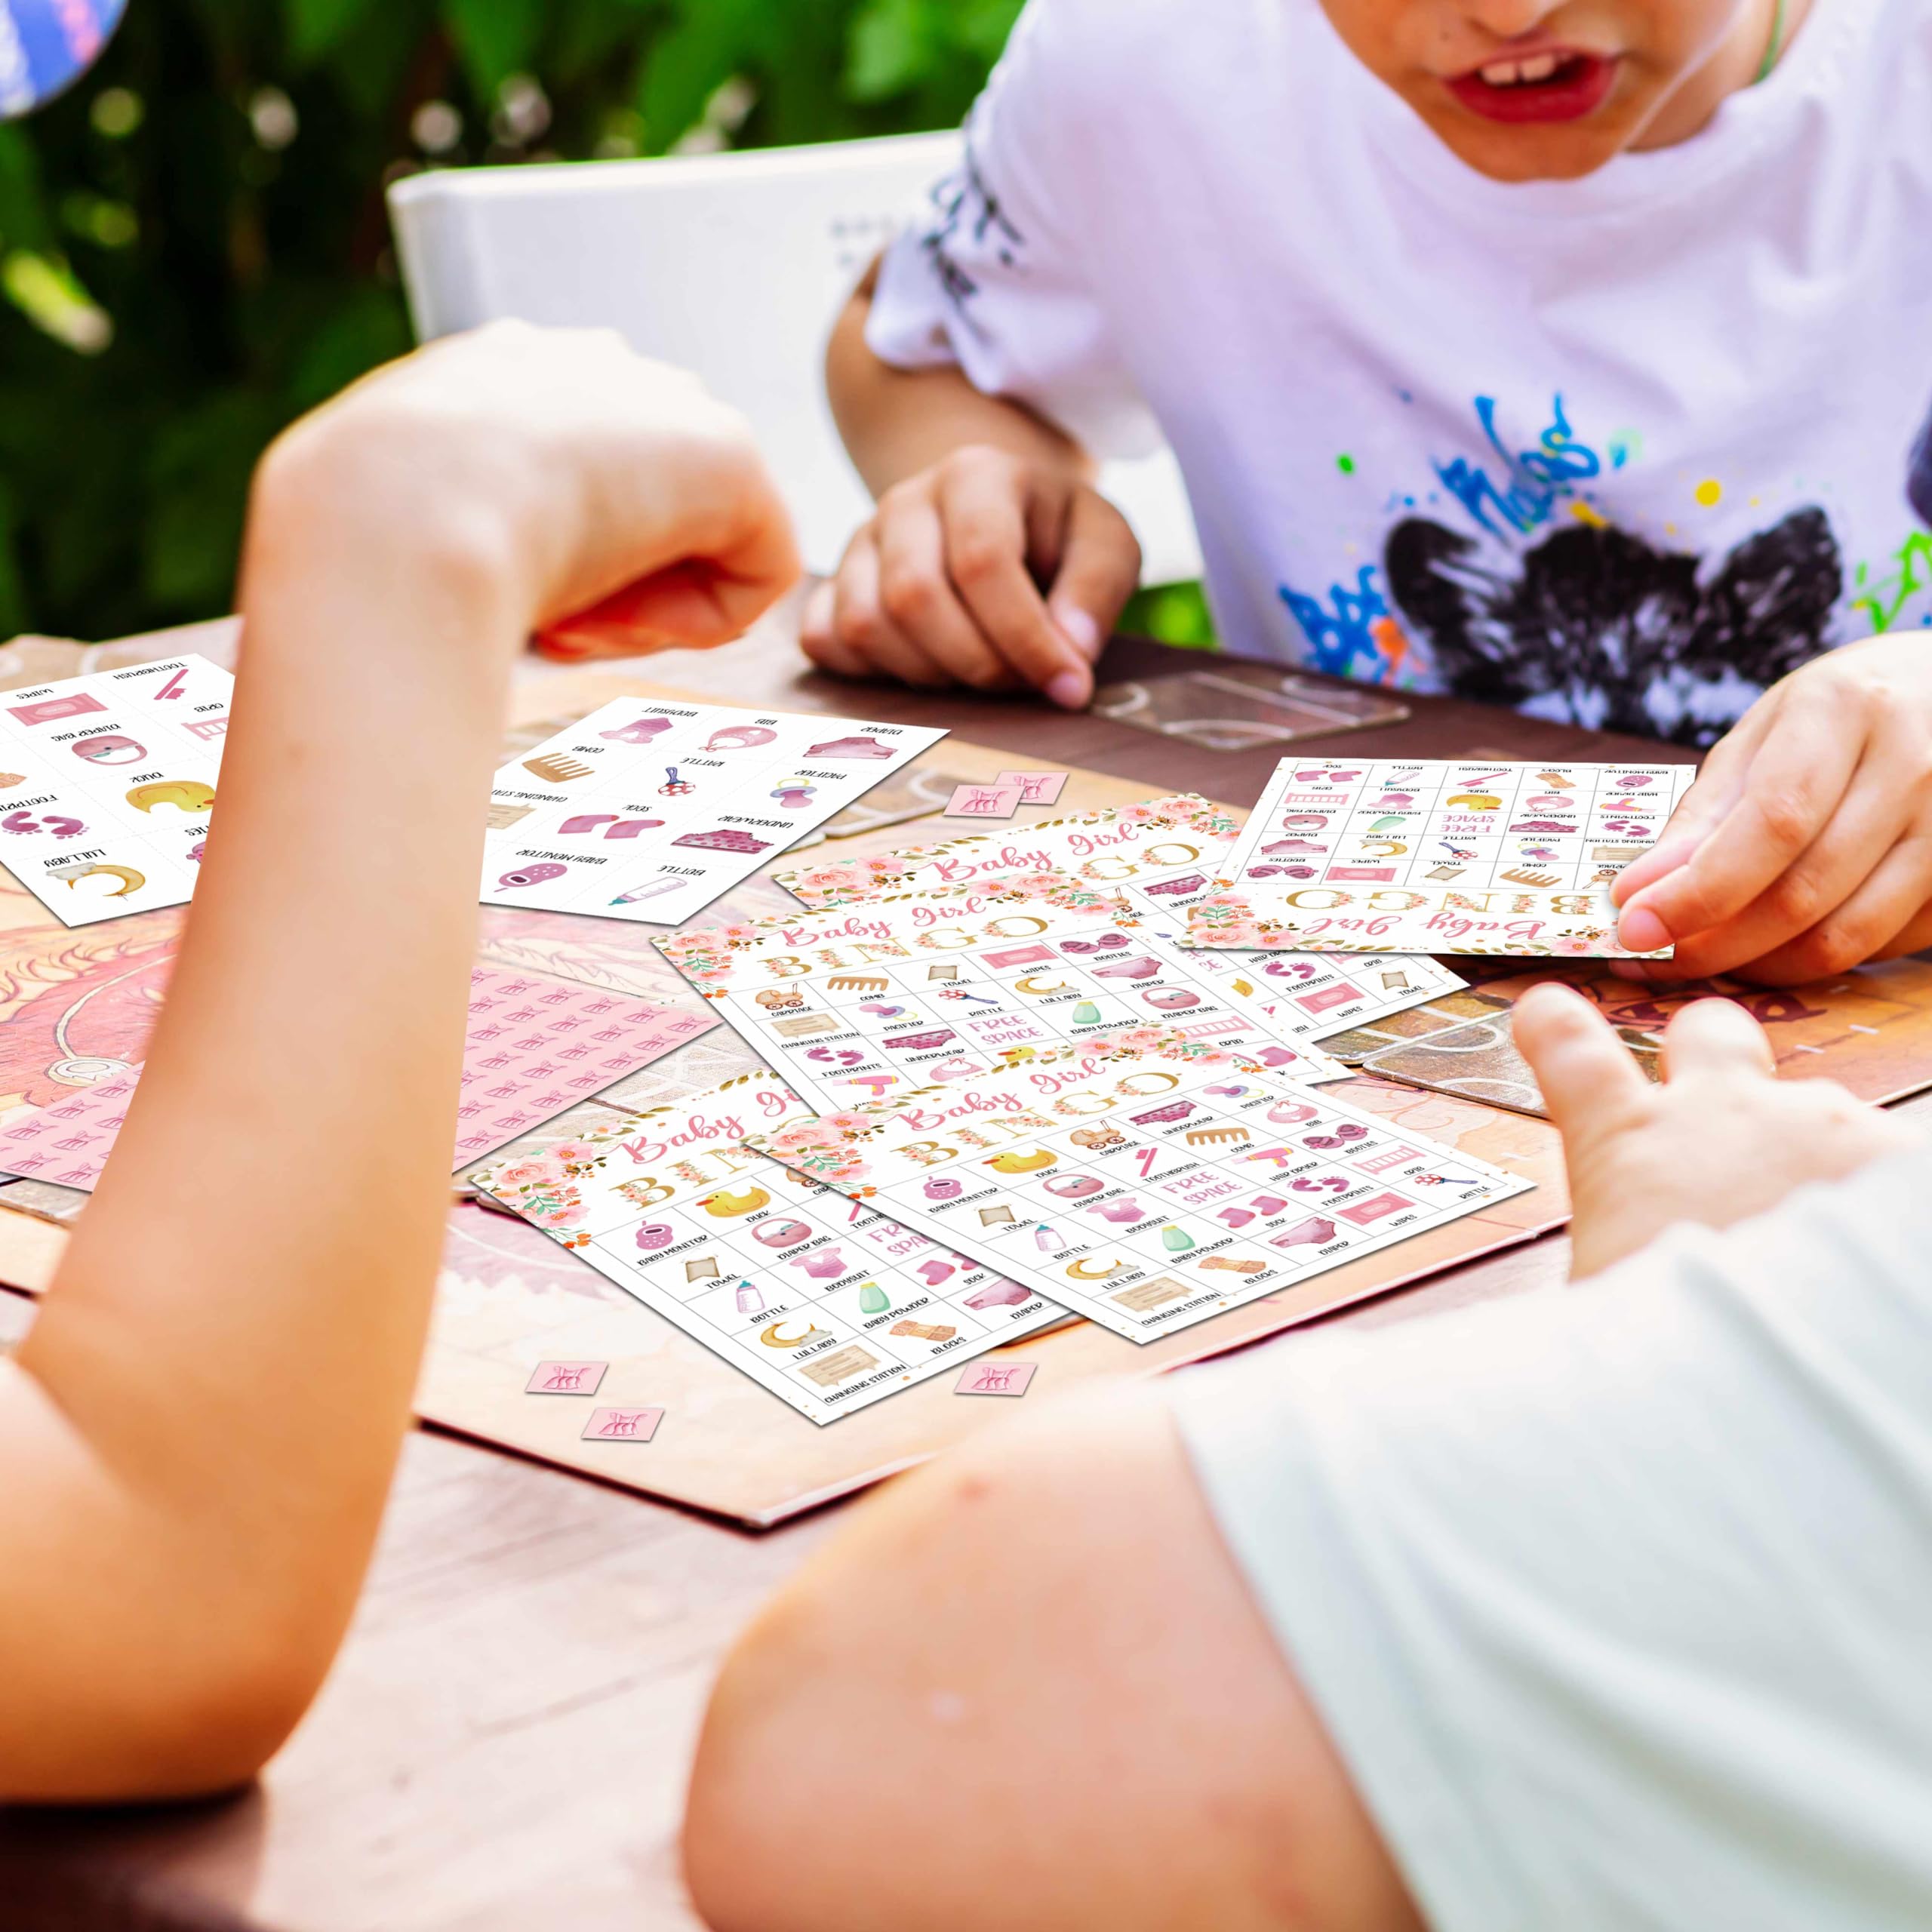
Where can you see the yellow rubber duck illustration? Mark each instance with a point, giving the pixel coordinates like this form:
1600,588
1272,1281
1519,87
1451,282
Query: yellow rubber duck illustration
728,1206
1022,1163
186,795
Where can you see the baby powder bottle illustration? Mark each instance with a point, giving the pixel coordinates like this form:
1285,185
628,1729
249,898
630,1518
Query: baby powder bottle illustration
1177,1241
873,1299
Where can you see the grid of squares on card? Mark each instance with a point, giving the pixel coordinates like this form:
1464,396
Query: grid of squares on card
106,783
1163,854
1148,1190
533,1048
1438,857
930,987
825,1302
647,812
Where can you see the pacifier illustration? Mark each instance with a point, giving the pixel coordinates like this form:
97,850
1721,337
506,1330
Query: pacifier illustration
795,794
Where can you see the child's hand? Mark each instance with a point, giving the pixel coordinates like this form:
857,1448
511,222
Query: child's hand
617,505
942,586
1806,846
1721,1141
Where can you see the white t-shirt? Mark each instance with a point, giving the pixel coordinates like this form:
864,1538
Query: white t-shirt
1620,451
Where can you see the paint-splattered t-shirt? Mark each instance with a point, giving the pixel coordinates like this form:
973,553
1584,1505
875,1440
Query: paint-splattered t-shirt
1621,450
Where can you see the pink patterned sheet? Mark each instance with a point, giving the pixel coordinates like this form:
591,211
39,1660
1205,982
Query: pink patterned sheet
536,1047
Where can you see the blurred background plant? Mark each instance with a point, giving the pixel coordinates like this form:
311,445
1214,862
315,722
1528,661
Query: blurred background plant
194,248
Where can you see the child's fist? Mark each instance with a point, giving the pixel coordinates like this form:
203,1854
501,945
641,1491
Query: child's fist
944,586
571,473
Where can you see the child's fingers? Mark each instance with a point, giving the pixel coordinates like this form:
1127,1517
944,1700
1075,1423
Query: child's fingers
1705,806
861,624
1879,919
817,636
1816,892
1590,1083
1795,782
1716,1038
987,507
1100,570
918,594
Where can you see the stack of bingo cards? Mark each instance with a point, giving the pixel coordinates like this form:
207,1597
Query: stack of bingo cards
827,1303
930,988
1147,1186
1403,856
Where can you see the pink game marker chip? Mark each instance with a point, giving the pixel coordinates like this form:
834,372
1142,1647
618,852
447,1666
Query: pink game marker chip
986,801
566,1378
1036,788
623,1425
996,1378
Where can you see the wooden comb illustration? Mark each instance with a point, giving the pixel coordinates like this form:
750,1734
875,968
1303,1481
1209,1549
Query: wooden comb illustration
558,768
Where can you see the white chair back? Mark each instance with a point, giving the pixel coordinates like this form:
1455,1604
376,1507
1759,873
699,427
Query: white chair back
733,266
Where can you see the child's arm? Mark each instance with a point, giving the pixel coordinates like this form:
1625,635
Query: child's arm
1805,847
991,562
198,1434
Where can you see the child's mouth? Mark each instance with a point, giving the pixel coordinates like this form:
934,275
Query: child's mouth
1553,86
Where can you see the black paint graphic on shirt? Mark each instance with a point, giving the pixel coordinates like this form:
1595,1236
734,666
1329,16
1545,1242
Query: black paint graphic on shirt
1918,480
1627,637
962,203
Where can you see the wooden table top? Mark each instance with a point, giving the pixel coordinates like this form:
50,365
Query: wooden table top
504,1742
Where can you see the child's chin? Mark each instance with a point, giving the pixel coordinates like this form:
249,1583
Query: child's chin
1529,154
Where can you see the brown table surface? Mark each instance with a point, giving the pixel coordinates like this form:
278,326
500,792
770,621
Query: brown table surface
504,1742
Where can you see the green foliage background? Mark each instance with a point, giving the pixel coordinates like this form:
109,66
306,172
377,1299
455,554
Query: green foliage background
193,247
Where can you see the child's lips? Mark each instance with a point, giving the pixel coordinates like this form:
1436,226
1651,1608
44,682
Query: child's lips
1579,87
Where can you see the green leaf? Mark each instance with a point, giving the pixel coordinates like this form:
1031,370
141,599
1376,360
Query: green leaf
893,49
316,27
25,222
684,69
496,37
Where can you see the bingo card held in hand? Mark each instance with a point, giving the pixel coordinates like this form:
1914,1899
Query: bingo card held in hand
825,1302
106,784
1394,855
1147,1189
647,812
